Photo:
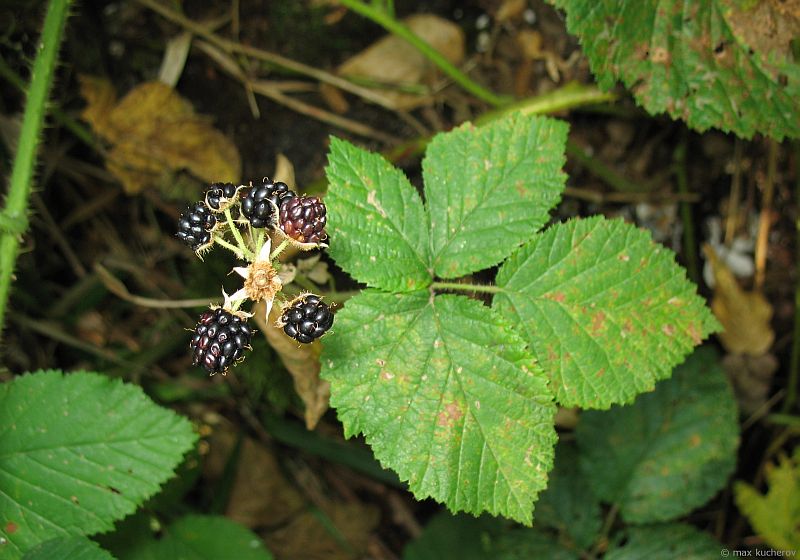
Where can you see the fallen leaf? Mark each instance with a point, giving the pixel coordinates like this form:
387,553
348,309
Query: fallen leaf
302,362
154,132
261,496
751,377
392,61
744,315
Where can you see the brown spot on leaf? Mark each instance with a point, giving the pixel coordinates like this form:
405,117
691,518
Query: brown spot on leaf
598,322
11,527
695,440
451,414
668,330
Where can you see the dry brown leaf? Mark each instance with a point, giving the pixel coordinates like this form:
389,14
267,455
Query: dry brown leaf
155,132
307,538
391,60
302,362
261,496
744,315
510,9
752,379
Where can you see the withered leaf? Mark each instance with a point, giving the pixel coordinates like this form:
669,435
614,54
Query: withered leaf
153,133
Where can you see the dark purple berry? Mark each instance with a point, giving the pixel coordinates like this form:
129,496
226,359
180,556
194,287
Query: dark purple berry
307,319
219,341
304,218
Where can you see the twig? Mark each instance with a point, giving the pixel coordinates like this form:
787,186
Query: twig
765,217
116,287
397,28
736,193
14,220
268,89
276,59
601,170
689,240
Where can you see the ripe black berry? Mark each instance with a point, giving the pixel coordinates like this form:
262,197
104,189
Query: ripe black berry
195,225
256,205
307,319
220,338
304,218
216,192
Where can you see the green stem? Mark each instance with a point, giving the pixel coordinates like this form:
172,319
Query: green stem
15,211
229,246
601,170
467,287
568,96
238,236
689,242
278,250
794,359
399,29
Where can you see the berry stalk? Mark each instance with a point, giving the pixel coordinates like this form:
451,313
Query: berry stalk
14,218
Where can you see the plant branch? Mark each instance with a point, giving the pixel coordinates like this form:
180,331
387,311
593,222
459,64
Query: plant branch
238,236
13,219
794,359
399,29
765,216
116,287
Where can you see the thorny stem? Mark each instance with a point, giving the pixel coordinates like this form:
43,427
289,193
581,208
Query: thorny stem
229,246
467,287
278,250
13,217
399,29
238,236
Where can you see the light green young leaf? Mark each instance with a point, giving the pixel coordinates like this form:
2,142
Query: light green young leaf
489,189
666,542
70,548
447,396
202,537
78,452
721,63
671,450
776,515
377,224
606,311
569,504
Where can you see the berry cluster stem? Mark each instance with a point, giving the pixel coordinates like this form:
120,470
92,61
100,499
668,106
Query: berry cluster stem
278,250
229,246
248,254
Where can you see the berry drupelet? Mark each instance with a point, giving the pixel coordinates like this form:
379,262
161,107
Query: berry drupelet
306,319
303,219
219,341
219,193
195,225
256,205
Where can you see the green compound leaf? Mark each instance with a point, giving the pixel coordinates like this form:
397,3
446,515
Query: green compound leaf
78,452
671,450
714,63
71,548
489,189
606,311
569,504
447,396
666,542
776,515
376,220
201,537
467,538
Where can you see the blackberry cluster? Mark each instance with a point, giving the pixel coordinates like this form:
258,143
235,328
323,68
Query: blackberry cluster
256,205
303,218
220,338
307,319
195,225
216,192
